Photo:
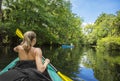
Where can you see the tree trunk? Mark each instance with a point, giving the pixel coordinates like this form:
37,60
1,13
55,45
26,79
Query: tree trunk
0,9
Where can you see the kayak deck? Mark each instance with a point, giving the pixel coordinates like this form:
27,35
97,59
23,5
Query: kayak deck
54,76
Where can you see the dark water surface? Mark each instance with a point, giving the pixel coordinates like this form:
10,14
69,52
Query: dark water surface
79,63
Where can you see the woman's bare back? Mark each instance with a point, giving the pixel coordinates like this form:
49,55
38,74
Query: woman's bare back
23,55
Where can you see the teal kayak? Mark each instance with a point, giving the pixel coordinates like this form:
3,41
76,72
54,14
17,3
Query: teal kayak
67,46
52,73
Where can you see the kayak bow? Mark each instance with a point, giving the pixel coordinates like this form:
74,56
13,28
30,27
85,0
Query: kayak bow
52,73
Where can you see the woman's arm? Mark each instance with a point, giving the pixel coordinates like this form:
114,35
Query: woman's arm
40,65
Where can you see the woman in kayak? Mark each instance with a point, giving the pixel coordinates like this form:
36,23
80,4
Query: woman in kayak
30,66
26,51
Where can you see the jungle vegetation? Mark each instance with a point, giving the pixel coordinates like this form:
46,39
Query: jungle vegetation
105,32
52,20
54,23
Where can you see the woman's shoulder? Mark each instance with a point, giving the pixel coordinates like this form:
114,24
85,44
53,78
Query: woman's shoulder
37,50
17,48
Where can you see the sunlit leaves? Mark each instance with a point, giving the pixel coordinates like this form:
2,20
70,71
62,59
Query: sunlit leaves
52,20
105,25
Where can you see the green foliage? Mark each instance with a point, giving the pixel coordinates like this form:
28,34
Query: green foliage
52,21
116,25
104,32
109,43
90,34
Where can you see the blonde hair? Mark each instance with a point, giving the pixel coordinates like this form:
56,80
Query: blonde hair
27,40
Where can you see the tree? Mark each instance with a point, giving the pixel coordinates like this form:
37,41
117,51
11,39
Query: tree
0,9
52,20
116,25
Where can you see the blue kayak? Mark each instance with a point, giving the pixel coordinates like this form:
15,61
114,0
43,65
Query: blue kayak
67,46
52,73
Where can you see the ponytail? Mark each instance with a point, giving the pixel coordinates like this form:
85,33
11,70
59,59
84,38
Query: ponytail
27,41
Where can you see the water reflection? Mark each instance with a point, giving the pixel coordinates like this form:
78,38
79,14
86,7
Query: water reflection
86,72
73,62
79,63
6,56
106,69
65,60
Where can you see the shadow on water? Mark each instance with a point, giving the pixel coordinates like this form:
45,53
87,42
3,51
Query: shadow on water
79,63
6,56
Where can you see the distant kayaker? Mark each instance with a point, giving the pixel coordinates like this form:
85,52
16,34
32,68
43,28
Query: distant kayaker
30,67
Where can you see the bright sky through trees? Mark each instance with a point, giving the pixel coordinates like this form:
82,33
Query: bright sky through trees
89,10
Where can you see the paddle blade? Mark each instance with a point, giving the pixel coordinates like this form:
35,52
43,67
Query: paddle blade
19,33
65,78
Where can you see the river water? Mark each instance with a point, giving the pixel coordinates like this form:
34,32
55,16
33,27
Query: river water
78,63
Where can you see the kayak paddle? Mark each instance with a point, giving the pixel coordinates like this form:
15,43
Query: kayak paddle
64,77
19,33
